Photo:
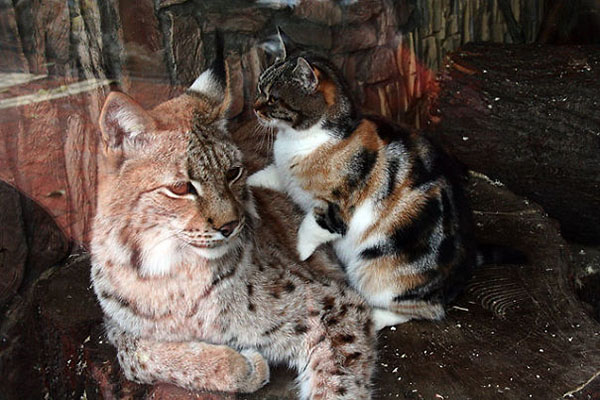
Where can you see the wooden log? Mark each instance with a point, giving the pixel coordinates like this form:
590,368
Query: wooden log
570,22
528,116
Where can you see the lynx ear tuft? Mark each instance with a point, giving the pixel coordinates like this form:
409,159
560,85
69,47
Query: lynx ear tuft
123,121
304,73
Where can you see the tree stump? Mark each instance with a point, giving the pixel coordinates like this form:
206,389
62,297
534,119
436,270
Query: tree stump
529,117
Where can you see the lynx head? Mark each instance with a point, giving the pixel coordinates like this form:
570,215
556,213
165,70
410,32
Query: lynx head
171,181
298,90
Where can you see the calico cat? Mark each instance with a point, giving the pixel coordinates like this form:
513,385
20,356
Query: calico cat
197,276
388,198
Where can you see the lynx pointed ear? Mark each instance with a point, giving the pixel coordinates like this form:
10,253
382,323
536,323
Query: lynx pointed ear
123,121
305,74
214,83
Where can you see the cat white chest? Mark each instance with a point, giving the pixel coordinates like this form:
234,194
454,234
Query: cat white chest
292,146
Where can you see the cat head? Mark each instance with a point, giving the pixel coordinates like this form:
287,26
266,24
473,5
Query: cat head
171,181
298,90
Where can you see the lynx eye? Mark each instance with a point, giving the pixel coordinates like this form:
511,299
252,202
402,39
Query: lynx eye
233,174
272,100
181,188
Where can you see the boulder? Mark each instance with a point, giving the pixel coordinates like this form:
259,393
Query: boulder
13,243
30,242
31,245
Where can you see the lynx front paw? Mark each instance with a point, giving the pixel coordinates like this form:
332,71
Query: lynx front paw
258,372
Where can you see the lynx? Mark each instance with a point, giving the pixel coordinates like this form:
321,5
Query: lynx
197,274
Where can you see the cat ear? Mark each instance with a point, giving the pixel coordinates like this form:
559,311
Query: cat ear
123,122
305,74
277,48
288,47
214,83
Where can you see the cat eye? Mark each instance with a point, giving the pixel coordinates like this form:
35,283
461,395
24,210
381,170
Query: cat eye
233,174
181,188
272,100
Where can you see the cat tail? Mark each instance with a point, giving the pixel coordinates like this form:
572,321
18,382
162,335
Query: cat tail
497,254
214,84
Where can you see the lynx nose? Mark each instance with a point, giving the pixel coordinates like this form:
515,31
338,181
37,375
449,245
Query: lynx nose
228,228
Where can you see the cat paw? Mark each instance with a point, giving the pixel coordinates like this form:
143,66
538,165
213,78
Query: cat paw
305,249
258,372
383,318
266,178
311,236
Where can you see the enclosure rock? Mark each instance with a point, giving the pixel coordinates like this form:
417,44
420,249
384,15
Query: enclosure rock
30,242
30,245
13,243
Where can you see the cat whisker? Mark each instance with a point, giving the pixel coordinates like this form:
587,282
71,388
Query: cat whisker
167,237
263,131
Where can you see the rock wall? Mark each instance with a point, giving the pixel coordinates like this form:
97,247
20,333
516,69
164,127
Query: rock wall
68,55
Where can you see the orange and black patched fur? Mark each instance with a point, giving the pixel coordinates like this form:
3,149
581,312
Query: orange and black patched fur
387,198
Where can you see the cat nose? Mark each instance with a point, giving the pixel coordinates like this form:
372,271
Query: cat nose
258,104
228,228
